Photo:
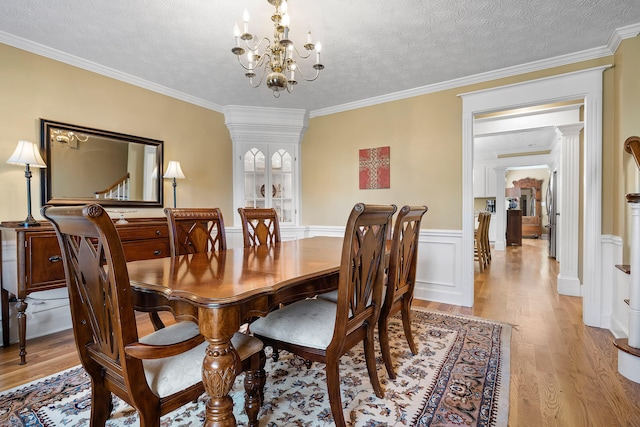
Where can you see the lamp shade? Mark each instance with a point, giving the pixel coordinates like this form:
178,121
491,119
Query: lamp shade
513,192
27,153
173,170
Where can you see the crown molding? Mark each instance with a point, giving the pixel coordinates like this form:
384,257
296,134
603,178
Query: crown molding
614,41
75,61
585,55
265,124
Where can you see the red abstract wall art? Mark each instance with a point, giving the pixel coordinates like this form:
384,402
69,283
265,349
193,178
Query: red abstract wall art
375,166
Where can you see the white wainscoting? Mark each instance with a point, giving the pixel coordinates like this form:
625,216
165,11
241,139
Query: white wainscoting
615,288
438,274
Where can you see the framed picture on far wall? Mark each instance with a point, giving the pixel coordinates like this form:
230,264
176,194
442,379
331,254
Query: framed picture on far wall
375,168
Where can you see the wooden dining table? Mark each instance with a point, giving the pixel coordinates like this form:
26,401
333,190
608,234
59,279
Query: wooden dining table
222,290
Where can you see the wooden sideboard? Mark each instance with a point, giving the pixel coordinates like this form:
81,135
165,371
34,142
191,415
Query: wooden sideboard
514,227
38,264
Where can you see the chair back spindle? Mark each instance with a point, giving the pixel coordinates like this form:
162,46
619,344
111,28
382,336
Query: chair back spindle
260,226
196,230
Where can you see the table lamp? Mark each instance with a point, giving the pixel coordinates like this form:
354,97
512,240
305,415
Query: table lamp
27,155
174,171
513,193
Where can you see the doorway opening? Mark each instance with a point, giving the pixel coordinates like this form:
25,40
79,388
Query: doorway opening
585,85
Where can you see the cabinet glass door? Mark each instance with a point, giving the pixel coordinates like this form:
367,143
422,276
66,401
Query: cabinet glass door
269,180
255,179
282,183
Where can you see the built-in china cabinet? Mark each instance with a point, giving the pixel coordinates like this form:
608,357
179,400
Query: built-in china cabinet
266,171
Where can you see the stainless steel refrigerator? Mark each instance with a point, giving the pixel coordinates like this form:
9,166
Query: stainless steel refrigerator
552,212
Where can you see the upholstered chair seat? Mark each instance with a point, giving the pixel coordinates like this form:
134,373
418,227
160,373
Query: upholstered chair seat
309,323
169,375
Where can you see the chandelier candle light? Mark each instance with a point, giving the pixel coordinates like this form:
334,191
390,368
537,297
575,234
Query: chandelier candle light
277,58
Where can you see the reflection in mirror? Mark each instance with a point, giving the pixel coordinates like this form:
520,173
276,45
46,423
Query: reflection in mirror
528,201
89,165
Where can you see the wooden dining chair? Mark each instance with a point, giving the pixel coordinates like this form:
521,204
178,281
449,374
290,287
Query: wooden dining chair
191,230
155,374
485,239
195,230
260,226
322,331
481,240
401,279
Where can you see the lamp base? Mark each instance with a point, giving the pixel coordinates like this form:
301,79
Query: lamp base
29,222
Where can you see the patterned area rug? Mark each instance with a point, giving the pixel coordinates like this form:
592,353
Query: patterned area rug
459,378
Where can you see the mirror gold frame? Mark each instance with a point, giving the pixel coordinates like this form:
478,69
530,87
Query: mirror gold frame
87,165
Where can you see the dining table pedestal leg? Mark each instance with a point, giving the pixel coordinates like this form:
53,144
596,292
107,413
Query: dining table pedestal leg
220,366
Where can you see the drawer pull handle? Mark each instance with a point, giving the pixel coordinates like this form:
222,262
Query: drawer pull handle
55,258
157,232
157,252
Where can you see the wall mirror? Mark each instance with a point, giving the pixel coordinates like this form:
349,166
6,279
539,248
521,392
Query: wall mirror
528,201
87,165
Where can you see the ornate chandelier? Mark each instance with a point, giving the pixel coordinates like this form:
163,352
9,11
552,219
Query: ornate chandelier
278,58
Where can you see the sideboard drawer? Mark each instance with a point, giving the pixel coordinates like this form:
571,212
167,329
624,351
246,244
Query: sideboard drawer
146,249
43,265
143,232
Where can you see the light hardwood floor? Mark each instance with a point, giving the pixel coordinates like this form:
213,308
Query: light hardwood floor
562,372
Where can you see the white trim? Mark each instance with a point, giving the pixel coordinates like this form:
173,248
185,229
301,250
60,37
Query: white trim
615,315
599,52
585,85
568,282
616,38
629,366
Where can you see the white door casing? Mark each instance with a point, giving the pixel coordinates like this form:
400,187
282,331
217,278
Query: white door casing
583,85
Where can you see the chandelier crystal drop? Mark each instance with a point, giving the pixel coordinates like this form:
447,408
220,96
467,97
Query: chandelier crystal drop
276,60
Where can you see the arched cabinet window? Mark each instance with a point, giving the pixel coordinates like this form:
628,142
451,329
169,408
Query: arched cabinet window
269,180
266,171
255,178
282,184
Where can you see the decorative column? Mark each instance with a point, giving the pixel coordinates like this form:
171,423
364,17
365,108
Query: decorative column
501,210
569,204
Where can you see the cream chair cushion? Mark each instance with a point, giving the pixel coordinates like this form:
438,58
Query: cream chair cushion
172,374
308,323
329,296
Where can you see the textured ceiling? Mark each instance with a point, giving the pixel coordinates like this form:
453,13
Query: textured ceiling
370,48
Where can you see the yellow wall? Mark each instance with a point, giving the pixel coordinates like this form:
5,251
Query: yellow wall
35,87
627,123
425,137
424,134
